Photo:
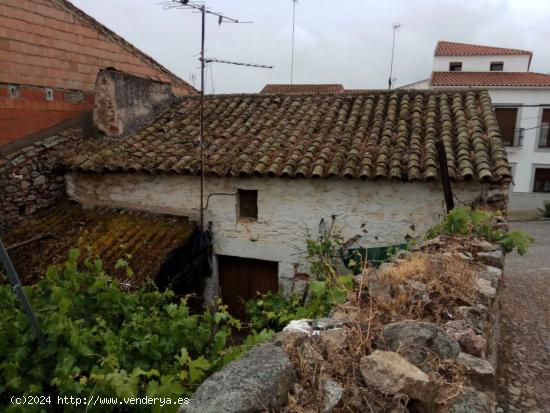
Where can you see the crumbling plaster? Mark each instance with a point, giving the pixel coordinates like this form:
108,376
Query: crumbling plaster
381,212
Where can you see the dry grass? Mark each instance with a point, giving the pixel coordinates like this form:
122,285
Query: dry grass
423,286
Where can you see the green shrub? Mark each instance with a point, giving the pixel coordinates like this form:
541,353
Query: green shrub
545,210
103,341
468,221
273,311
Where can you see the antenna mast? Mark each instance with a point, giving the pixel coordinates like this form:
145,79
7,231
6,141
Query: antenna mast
185,4
396,27
293,27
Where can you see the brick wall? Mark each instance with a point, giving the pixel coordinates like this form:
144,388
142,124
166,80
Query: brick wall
51,43
25,109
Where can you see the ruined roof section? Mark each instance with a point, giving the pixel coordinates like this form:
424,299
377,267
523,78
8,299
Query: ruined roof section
375,135
487,79
444,48
143,240
302,88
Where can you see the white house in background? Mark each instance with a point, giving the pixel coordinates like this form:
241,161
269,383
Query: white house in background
522,105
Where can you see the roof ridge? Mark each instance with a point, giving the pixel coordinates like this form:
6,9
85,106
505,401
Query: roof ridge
86,18
442,43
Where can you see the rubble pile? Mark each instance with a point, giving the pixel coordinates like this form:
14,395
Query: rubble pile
415,335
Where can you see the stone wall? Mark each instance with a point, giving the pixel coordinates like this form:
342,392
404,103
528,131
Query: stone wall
32,174
398,344
125,103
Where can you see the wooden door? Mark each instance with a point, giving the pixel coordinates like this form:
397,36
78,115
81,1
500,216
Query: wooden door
243,278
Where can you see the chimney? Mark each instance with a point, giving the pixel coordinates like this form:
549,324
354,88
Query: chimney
124,103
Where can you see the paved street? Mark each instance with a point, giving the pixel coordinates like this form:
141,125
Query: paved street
524,357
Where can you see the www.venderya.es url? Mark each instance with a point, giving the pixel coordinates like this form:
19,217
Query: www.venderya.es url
98,401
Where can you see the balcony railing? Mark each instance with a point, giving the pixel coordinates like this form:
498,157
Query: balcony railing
544,136
518,139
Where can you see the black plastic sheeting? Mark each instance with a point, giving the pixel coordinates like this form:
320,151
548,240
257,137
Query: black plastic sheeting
186,267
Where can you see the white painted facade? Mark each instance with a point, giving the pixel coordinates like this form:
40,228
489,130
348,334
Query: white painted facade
530,102
512,63
380,212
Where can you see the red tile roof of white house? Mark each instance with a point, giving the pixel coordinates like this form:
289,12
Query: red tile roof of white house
488,79
444,48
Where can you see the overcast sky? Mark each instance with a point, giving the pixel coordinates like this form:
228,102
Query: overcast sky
338,41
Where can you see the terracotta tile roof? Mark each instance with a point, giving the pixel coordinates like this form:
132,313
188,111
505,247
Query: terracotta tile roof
90,21
374,135
144,240
444,48
486,79
302,88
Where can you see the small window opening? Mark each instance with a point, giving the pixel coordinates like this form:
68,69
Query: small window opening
455,67
13,91
497,66
49,93
248,204
22,209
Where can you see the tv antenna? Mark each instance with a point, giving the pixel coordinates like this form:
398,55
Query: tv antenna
293,37
203,10
396,27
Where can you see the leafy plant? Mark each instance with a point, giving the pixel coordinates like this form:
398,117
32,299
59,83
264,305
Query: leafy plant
468,221
103,341
273,311
545,210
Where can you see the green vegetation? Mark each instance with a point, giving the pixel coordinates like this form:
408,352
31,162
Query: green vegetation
273,311
545,210
467,221
103,341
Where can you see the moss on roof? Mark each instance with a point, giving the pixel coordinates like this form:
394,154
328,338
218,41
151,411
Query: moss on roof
142,239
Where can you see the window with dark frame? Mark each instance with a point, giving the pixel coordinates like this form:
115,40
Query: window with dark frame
455,67
544,132
496,66
248,204
507,118
542,180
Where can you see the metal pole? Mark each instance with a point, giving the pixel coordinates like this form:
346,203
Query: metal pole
292,57
18,289
395,27
203,12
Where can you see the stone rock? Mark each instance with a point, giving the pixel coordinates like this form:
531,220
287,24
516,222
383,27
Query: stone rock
39,180
420,291
332,393
483,245
480,371
389,373
475,317
302,326
470,340
492,258
417,339
334,340
492,274
468,401
485,288
258,381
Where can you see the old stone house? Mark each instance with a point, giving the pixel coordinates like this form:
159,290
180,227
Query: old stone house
50,54
279,168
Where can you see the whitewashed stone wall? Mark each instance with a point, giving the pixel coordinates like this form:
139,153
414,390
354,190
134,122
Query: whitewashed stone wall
381,212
